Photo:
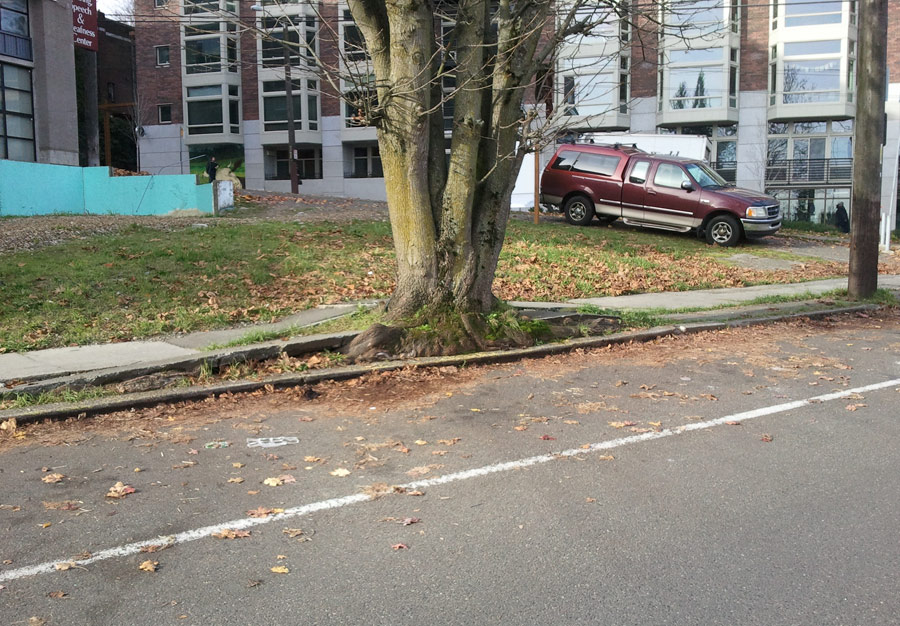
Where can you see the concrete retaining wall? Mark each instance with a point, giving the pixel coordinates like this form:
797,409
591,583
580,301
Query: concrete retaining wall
43,189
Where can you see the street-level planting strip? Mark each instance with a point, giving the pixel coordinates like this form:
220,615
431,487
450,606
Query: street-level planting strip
336,503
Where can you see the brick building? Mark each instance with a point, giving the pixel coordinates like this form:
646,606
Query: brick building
771,84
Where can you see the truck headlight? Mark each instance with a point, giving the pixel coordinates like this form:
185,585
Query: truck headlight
757,211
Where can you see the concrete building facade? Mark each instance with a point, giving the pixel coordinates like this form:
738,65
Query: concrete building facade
771,84
38,107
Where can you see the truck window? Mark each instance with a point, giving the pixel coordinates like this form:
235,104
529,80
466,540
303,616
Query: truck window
669,175
603,164
565,159
639,172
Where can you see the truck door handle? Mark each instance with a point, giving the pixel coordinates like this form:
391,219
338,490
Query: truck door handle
650,192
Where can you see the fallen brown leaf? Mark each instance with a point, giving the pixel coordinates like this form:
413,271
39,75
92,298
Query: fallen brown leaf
52,478
400,546
120,490
261,512
148,566
280,569
229,533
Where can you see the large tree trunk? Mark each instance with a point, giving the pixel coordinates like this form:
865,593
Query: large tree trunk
449,219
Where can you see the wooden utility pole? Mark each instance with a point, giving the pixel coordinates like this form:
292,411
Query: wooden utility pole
865,207
289,109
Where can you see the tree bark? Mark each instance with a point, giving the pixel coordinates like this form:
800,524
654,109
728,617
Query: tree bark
865,216
449,218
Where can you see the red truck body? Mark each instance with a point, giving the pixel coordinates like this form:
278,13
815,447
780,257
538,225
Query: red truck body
656,191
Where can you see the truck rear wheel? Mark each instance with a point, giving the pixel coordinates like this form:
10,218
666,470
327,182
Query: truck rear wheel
579,210
723,230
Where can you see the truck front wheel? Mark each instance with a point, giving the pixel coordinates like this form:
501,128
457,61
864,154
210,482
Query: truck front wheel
723,230
579,210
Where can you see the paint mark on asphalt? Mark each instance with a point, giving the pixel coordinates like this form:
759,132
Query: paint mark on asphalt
336,503
270,442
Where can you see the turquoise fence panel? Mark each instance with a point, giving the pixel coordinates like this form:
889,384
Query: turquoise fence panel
40,188
144,195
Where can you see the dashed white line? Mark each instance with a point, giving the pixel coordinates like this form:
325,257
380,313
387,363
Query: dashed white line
336,503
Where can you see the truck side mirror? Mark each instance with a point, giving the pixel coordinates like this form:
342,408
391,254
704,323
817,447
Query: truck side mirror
686,185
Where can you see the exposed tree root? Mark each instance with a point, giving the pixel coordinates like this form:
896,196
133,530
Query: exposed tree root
447,333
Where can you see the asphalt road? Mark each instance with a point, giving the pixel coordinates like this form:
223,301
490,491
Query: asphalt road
752,488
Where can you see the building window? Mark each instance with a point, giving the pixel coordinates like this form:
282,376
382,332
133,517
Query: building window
366,162
805,13
202,48
162,55
360,102
624,85
272,44
697,17
312,104
696,79
353,44
201,6
309,163
275,108
164,113
594,85
204,110
811,72
810,152
159,4
14,17
16,114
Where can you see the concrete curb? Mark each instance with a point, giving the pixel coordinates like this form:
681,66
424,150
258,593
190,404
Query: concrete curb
164,396
215,358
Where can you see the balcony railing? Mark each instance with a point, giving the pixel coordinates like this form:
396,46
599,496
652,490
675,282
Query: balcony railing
809,171
15,46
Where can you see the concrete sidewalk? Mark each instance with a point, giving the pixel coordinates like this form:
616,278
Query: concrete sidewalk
59,362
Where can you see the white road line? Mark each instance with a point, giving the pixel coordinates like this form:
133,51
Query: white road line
336,503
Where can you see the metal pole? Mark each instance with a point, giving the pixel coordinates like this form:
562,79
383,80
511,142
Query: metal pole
289,109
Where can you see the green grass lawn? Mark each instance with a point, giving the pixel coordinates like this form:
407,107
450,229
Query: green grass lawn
143,282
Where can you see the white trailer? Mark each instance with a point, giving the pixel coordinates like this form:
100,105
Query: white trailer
690,146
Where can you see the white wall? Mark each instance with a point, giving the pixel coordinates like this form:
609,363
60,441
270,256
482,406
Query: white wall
752,140
162,150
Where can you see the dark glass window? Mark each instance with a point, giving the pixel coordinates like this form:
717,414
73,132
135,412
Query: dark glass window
164,112
354,43
603,164
14,17
16,114
565,160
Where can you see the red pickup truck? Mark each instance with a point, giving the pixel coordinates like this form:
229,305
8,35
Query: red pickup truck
655,191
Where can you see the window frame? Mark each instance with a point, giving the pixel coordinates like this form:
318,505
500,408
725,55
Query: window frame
168,51
159,115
